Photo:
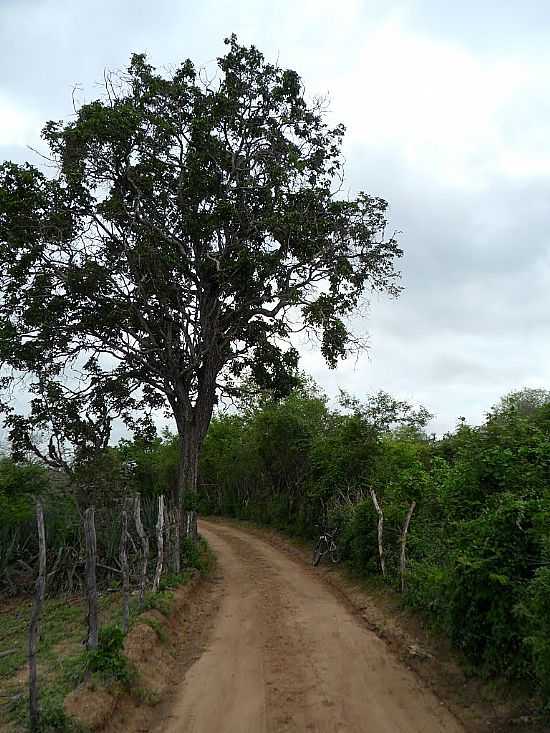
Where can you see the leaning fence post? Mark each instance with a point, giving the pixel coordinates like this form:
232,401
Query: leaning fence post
160,543
404,542
91,583
34,711
123,556
380,531
144,548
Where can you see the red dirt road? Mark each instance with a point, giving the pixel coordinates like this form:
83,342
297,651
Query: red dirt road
286,654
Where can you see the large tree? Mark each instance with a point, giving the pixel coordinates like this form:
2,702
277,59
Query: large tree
192,224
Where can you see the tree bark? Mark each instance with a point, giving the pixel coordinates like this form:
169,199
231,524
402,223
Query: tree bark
192,424
34,710
144,548
160,544
380,531
403,538
124,570
91,584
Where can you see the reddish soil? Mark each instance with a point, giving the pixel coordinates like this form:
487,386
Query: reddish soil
287,654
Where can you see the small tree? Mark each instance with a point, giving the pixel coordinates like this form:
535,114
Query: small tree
68,429
193,226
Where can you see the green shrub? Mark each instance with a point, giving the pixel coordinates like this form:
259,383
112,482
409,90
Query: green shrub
108,659
194,554
161,601
534,610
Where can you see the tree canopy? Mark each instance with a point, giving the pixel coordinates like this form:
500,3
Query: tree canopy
191,226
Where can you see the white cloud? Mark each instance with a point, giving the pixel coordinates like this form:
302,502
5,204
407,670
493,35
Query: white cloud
18,126
449,112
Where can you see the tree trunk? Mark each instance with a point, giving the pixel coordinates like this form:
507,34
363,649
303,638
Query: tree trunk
403,544
160,544
91,585
188,464
144,548
124,570
34,711
187,480
380,531
192,424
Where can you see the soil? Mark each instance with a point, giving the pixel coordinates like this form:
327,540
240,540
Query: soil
288,653
269,644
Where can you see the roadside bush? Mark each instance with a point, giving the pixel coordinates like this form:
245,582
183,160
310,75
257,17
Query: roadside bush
161,602
534,611
478,547
108,659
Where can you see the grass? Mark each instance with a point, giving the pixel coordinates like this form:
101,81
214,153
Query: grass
62,660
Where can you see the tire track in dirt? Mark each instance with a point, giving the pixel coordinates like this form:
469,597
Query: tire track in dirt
287,655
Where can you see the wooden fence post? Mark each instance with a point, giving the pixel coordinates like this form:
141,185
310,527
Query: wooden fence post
380,531
160,543
91,583
176,540
123,556
144,548
191,525
404,542
34,711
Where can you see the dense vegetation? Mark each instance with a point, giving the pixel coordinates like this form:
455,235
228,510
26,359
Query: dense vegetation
114,476
479,541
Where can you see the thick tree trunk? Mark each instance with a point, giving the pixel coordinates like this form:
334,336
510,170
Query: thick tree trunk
188,468
192,422
192,432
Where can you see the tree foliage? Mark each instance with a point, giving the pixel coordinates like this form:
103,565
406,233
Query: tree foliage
192,227
479,541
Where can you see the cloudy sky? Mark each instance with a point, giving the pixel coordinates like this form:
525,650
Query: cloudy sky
448,117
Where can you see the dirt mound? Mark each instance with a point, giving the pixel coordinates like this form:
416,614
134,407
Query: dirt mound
148,647
90,705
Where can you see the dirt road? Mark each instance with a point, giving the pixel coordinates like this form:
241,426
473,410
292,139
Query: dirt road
286,654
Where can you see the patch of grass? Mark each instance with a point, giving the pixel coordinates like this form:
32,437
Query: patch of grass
62,658
146,696
162,601
196,555
173,581
61,655
69,671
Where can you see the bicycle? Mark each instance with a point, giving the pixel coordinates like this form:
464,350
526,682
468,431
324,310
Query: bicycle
326,545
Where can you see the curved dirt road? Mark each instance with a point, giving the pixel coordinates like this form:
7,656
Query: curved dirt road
287,655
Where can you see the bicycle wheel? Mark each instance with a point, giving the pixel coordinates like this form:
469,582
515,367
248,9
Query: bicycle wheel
317,553
335,555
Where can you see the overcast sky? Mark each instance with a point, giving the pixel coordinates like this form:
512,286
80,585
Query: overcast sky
448,118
